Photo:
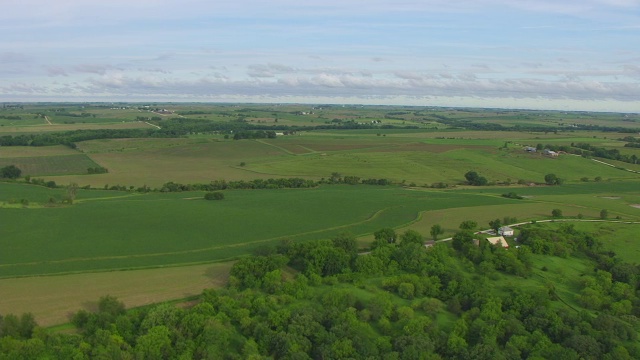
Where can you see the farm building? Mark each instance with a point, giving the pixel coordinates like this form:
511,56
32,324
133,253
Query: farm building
505,231
530,149
498,240
429,243
550,153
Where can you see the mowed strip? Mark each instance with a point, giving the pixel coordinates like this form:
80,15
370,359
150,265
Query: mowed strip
52,299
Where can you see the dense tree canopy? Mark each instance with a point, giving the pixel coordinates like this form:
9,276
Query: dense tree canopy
320,300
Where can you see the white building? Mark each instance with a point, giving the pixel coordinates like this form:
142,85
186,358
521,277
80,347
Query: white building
505,231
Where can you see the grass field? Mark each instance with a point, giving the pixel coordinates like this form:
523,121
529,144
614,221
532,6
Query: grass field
51,165
618,237
52,299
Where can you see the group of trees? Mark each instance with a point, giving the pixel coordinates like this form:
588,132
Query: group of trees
474,179
277,183
254,134
337,178
215,195
10,172
601,152
97,170
321,299
552,179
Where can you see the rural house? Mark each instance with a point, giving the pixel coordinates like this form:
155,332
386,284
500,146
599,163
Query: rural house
505,231
498,241
550,153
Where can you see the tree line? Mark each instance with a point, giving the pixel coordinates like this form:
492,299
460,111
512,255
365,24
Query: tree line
174,127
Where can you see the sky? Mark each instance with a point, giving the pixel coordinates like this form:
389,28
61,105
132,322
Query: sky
534,54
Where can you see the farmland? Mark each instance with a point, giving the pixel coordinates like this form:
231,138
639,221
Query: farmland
423,152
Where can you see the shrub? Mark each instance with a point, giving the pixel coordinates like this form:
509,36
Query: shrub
216,195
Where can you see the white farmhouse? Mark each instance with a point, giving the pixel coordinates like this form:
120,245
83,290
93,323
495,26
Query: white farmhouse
505,231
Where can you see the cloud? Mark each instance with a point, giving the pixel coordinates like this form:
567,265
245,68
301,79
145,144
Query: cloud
99,69
56,71
332,85
408,75
9,57
24,88
268,70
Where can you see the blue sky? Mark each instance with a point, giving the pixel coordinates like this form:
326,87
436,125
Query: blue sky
547,54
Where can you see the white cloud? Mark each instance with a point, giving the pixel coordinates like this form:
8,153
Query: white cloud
369,49
56,71
9,57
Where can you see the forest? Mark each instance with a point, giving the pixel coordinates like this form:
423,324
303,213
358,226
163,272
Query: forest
401,300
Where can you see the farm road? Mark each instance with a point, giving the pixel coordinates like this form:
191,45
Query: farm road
550,220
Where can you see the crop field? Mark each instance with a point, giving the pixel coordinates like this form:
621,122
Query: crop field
133,230
51,165
44,128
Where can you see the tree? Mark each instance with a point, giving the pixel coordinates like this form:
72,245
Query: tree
10,172
436,230
468,225
556,213
552,179
604,213
215,195
495,224
72,190
347,242
461,239
155,344
474,179
385,235
411,236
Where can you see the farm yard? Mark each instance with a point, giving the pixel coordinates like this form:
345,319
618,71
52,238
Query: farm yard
111,229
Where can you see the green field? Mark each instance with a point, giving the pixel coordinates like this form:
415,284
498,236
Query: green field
133,230
113,230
